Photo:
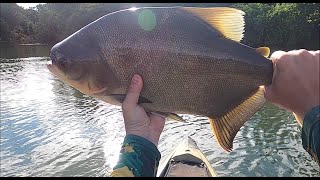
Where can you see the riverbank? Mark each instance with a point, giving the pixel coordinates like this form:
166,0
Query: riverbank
11,51
33,44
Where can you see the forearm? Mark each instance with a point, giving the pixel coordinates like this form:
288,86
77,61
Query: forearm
138,157
311,133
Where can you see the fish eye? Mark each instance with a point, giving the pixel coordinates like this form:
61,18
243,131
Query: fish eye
63,63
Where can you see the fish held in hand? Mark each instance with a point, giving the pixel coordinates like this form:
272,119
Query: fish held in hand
191,61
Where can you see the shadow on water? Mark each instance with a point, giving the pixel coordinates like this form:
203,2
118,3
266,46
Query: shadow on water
83,105
9,72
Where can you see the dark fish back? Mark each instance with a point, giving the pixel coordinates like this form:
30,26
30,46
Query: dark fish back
186,65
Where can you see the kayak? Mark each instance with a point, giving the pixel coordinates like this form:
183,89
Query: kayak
186,160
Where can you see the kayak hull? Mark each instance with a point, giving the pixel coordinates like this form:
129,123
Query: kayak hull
186,160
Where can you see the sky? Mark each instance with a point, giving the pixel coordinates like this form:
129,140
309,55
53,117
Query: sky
27,5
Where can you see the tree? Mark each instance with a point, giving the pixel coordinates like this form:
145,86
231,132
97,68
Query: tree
281,25
278,25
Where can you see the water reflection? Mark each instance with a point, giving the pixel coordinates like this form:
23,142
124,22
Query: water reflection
50,129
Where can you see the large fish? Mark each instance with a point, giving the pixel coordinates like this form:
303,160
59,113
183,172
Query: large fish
190,60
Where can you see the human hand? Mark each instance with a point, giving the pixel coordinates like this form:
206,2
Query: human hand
137,121
295,83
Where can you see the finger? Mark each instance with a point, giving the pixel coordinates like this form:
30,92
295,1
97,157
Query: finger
269,90
276,55
280,61
268,93
133,94
303,54
315,53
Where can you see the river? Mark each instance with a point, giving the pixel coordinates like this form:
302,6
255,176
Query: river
50,129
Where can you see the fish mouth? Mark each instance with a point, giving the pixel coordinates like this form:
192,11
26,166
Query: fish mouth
50,67
54,70
84,87
57,72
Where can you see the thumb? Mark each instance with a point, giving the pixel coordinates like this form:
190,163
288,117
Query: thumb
270,89
133,94
268,93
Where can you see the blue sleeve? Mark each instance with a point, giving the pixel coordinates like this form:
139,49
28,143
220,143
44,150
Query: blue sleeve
311,133
138,157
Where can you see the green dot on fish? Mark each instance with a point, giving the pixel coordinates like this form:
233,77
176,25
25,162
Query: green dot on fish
147,20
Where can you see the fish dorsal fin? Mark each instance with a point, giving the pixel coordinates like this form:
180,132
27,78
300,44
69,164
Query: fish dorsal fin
264,51
228,21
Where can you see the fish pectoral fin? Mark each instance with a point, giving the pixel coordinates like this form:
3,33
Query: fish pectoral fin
175,117
228,21
120,98
227,126
170,116
264,51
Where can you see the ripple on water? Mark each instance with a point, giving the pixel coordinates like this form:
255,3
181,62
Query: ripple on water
50,129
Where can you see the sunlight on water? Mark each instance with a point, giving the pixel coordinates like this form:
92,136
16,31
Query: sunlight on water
50,129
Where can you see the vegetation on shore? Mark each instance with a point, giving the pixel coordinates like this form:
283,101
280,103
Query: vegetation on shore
285,25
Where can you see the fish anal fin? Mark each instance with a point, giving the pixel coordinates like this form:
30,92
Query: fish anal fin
264,51
227,126
170,116
228,21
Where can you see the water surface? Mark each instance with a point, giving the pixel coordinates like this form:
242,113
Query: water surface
50,129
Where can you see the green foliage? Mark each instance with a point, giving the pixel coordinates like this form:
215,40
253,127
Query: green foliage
16,23
285,25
